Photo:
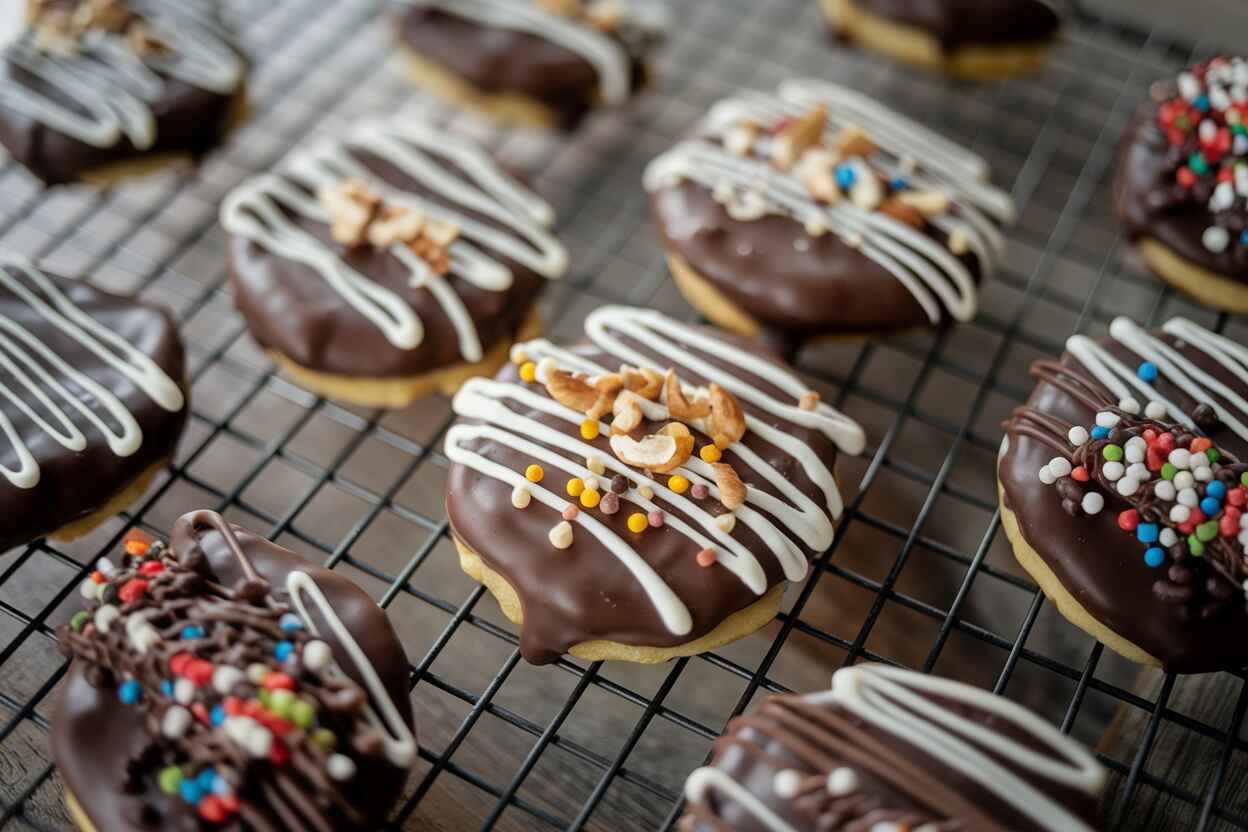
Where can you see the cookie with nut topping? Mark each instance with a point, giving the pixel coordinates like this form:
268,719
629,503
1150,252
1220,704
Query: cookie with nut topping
1124,491
815,211
390,263
98,90
546,63
645,494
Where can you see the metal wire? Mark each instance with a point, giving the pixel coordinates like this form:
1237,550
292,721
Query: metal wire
325,479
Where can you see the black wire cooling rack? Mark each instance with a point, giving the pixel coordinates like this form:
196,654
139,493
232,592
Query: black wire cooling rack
920,574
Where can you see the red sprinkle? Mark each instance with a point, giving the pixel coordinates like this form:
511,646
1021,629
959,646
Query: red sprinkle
199,671
1079,474
132,590
1236,496
279,754
1187,528
1201,443
1154,458
178,663
277,725
151,567
1166,442
212,809
1228,526
276,681
98,577
1128,520
233,705
1150,435
1225,175
230,801
1196,517
201,712
1185,176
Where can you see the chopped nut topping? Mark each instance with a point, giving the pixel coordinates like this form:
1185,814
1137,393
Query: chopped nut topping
739,139
571,391
796,136
852,140
809,400
867,192
901,212
565,8
394,225
59,28
608,387
650,453
727,420
959,242
626,414
644,382
142,41
816,170
352,207
731,489
684,447
927,203
678,405
357,215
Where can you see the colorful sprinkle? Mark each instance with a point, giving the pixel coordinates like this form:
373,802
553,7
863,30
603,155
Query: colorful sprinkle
282,650
569,512
528,371
590,497
637,522
1147,371
130,692
521,496
698,491
1154,556
655,518
1099,432
290,623
191,631
79,620
1113,453
678,483
1146,532
589,429
610,503
706,557
534,473
575,486
170,779
710,454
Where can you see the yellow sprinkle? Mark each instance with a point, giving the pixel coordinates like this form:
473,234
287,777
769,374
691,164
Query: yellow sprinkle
528,371
589,429
637,522
534,473
575,486
595,464
710,453
678,484
590,497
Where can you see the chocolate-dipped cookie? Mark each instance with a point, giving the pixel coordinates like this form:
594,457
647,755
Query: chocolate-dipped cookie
1182,186
540,62
887,750
644,495
100,89
974,39
224,682
1123,493
396,261
92,402
816,210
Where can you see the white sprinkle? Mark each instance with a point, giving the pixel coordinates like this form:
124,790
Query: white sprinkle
1189,87
1180,458
1164,489
1129,405
184,691
256,672
520,496
105,616
1154,410
1198,460
106,568
1184,479
249,735
726,522
1223,197
175,722
1167,537
1243,540
144,636
1179,513
1243,520
591,483
1140,471
1203,474
340,767
1113,470
1215,238
816,227
1218,98
595,464
1106,419
89,589
224,678
1092,502
1188,497
317,655
1239,144
787,783
1078,435
1059,466
1133,453
842,781
1128,486
1046,476
561,535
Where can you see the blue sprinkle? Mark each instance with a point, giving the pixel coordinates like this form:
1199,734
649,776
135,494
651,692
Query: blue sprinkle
290,623
218,714
130,692
166,687
190,790
221,788
1154,556
1243,238
1099,432
1147,371
191,631
1210,506
1147,532
845,176
898,184
1201,102
1216,489
206,780
282,650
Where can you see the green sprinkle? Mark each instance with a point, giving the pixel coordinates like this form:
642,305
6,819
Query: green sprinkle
1207,531
302,713
1168,471
1197,163
170,778
1113,453
1243,478
324,738
266,697
280,702
1238,129
1198,548
79,620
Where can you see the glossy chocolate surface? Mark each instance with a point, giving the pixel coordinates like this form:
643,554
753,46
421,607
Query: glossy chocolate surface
958,23
73,484
1096,561
94,734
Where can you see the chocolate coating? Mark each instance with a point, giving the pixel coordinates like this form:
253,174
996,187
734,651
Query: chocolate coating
73,484
94,734
584,593
501,60
959,23
292,309
1099,563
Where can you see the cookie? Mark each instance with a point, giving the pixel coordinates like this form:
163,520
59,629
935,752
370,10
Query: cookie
1122,491
644,495
545,63
102,89
1182,184
223,681
888,749
92,402
398,260
972,39
817,211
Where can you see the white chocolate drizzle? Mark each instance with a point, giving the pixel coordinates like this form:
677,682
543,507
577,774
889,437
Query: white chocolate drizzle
913,707
927,269
39,375
607,55
257,210
777,521
112,89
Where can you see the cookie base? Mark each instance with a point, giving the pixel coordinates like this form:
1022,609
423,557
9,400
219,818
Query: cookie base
1210,288
77,814
508,107
1055,591
738,625
83,526
705,297
915,46
400,391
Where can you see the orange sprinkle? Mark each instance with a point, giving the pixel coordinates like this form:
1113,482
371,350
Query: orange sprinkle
98,577
706,557
138,548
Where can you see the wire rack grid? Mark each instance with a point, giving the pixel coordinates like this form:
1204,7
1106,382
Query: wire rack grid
919,576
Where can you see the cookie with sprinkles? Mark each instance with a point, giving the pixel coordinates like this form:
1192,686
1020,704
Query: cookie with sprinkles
103,89
815,210
221,682
1125,494
889,750
394,261
1182,184
644,495
546,63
